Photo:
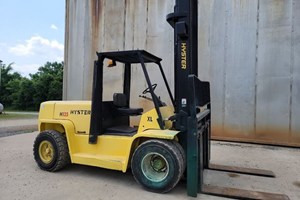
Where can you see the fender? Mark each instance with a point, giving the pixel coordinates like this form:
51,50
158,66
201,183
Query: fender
158,133
67,125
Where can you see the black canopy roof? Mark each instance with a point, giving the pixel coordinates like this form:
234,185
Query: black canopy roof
131,57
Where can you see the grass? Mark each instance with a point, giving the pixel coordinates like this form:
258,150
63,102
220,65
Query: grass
8,116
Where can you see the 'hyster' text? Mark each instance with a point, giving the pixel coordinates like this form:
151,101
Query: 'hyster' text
80,112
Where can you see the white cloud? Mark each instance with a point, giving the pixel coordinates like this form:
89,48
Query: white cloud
29,55
38,45
53,27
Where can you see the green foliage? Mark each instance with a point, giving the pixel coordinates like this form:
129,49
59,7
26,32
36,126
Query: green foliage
6,77
23,93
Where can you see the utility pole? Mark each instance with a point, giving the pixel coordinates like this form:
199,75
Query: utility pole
0,71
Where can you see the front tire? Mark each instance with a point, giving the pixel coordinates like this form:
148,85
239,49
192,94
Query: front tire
50,150
158,165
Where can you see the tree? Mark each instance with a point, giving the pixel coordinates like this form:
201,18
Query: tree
48,82
23,93
6,76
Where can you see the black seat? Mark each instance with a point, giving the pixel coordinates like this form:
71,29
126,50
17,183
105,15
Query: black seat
120,101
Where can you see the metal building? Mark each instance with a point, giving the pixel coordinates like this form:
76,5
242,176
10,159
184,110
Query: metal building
248,49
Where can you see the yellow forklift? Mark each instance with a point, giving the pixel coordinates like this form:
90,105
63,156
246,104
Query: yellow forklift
170,142
98,133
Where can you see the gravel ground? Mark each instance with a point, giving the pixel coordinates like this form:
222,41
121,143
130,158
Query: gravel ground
20,178
18,122
17,126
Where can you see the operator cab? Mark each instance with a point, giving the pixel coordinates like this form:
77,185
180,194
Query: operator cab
113,117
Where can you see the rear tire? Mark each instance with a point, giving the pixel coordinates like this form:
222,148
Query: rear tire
50,151
158,165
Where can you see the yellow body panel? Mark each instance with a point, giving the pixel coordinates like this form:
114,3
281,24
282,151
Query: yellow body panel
149,119
112,152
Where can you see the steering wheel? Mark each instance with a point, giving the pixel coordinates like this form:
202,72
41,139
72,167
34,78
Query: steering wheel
147,90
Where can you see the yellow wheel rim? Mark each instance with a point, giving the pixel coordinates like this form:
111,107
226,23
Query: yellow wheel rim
46,151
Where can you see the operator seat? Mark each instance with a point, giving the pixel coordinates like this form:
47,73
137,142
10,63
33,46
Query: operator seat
120,102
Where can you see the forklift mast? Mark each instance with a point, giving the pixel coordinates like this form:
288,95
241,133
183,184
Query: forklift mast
190,93
194,123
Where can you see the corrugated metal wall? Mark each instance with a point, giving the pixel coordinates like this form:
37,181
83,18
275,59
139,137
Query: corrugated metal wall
248,49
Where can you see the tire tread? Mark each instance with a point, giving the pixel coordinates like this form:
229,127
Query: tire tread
63,157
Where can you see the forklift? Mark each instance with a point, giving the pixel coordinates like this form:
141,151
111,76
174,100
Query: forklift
171,142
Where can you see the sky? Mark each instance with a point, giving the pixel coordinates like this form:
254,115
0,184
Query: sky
31,33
